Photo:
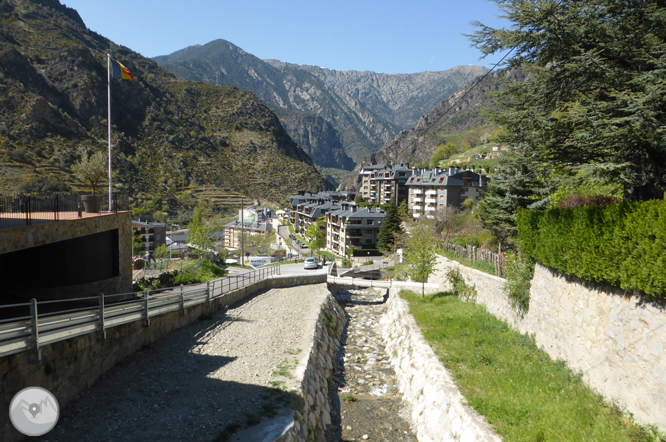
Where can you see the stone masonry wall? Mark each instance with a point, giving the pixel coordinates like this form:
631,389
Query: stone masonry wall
72,366
313,413
615,342
439,411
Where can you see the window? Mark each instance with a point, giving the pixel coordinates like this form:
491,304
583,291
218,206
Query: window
368,232
370,222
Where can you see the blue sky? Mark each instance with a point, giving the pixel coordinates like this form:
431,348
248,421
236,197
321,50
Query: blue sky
386,36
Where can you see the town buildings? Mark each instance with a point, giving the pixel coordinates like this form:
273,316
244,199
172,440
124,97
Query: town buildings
433,189
385,183
352,227
234,230
152,235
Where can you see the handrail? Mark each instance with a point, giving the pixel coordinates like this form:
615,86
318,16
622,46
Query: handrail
30,333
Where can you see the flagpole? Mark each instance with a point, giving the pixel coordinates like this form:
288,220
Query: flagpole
108,76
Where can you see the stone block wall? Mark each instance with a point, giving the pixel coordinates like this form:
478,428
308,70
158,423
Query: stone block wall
439,411
71,366
313,414
614,341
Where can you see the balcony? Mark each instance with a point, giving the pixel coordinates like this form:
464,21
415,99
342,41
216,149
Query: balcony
431,192
354,234
431,200
417,200
417,207
430,208
417,215
417,191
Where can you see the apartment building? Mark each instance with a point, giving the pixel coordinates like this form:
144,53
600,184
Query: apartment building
309,213
297,203
152,235
431,190
385,183
352,227
233,231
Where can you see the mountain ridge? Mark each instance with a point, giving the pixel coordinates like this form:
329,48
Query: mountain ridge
304,93
172,139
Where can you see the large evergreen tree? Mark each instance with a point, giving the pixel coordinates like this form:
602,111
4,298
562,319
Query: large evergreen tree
520,182
595,93
390,228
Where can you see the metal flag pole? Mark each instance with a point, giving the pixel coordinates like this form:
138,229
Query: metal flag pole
108,75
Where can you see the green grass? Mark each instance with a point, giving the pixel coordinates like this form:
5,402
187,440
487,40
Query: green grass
484,266
517,387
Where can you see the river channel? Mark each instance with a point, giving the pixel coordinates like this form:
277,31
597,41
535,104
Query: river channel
367,403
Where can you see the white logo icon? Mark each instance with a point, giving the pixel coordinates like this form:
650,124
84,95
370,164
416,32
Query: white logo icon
34,411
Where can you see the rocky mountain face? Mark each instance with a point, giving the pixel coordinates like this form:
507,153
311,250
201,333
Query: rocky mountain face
365,109
461,111
174,141
398,98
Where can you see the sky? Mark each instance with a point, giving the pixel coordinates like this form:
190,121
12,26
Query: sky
384,36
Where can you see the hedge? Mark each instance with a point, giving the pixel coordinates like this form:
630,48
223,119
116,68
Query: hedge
366,252
623,245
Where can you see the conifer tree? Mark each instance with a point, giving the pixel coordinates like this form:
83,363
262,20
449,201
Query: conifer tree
390,228
594,93
520,182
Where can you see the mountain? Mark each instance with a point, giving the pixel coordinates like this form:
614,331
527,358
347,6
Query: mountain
175,142
398,98
463,111
293,94
362,110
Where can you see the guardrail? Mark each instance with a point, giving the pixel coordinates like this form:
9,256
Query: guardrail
32,330
29,209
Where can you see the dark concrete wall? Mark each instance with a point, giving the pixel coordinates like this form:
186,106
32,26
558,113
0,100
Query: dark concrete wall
21,240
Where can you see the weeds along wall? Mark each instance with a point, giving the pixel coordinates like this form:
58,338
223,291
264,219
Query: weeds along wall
622,245
616,342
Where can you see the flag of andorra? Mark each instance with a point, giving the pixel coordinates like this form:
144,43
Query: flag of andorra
120,71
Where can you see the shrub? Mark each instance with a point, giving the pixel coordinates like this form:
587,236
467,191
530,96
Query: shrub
617,244
346,263
459,286
518,272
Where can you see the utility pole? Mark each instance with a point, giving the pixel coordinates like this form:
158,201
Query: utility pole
242,234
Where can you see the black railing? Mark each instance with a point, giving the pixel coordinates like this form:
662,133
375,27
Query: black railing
30,209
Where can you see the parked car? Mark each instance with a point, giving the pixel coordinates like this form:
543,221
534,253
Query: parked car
310,263
303,245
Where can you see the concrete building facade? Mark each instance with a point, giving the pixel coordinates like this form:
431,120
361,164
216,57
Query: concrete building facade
352,227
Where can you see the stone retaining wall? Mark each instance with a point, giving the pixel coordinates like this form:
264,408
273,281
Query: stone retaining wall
439,411
616,343
313,413
72,366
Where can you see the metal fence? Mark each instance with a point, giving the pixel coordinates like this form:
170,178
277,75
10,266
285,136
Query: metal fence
28,209
28,330
475,254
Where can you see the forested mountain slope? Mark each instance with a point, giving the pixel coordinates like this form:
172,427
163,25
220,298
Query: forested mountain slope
174,141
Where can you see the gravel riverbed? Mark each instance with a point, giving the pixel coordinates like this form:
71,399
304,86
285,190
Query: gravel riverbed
205,381
369,406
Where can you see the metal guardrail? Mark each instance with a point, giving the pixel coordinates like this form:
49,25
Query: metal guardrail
33,330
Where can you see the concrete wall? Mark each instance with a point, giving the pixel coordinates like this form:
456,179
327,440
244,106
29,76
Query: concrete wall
313,414
615,342
21,238
72,366
438,411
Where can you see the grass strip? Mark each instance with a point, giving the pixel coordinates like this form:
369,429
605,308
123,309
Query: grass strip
484,266
522,393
